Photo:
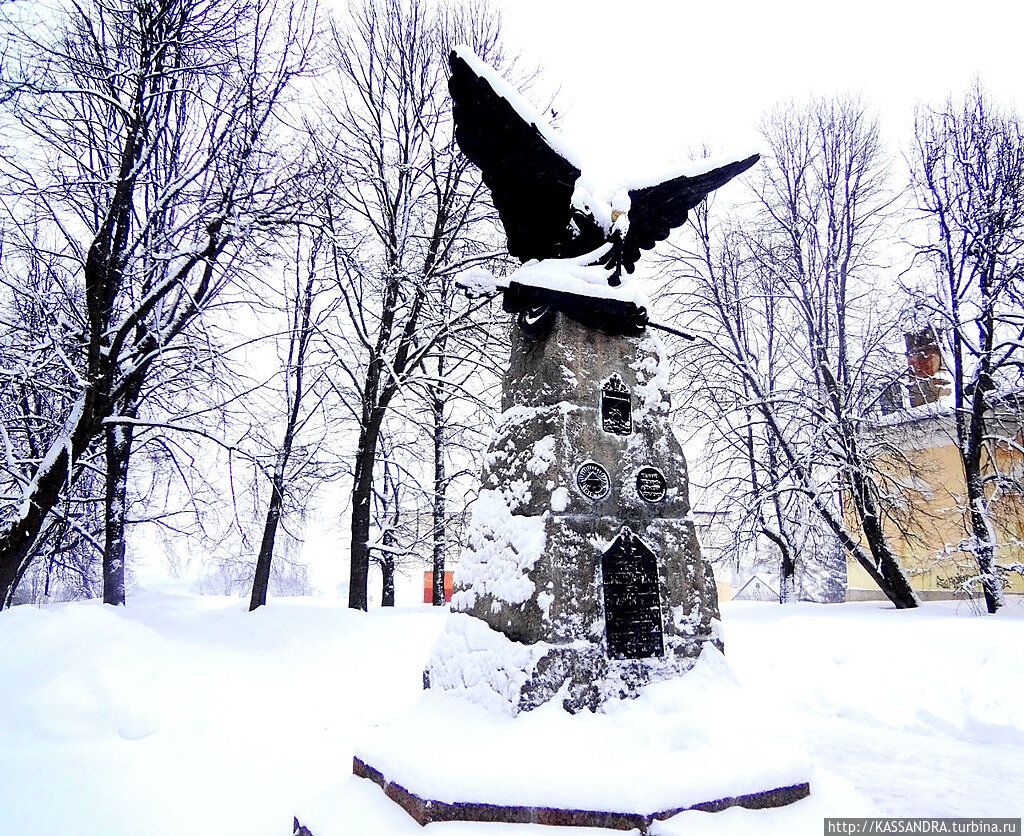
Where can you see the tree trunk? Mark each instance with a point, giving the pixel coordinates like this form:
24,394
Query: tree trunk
991,582
9,579
787,583
784,543
440,487
118,440
387,565
296,368
375,403
787,566
884,569
980,522
387,573
362,486
19,536
261,580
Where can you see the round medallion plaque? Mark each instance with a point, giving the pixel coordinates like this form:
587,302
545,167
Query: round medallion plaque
650,484
593,481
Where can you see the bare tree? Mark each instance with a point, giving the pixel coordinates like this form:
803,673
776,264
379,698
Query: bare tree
815,370
460,423
36,390
458,385
968,176
307,305
146,160
395,519
741,457
409,211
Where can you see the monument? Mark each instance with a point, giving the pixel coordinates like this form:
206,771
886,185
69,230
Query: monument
581,549
582,582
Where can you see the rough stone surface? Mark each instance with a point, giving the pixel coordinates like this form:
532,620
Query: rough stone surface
532,568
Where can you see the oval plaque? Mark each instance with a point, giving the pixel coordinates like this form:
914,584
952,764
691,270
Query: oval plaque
593,481
650,484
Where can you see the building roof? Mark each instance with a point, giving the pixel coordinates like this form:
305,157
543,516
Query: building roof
756,577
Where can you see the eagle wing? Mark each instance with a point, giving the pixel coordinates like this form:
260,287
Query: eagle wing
531,182
654,211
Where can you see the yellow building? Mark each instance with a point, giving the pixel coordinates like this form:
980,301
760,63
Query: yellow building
916,451
928,528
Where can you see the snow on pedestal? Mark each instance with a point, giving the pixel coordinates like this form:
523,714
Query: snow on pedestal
689,742
582,478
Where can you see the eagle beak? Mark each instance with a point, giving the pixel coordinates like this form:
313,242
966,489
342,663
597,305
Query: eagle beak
616,214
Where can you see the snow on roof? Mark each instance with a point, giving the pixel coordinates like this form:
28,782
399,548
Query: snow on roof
911,414
1009,398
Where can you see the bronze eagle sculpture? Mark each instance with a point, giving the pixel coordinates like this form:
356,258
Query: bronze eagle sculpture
549,212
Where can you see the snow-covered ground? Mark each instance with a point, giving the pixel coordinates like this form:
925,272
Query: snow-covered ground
181,714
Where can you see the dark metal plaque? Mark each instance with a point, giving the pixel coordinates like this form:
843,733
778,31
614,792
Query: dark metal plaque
593,481
632,606
616,407
650,484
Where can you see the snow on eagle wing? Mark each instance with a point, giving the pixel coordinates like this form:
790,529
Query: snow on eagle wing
531,183
654,211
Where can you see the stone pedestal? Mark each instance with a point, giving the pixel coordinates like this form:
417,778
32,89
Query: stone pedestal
582,578
581,583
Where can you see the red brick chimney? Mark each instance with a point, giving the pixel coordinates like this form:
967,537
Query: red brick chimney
926,365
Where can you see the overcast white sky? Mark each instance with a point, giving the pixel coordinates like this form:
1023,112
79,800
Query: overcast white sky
642,80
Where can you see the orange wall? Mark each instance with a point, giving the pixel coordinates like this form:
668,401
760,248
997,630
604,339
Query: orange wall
428,587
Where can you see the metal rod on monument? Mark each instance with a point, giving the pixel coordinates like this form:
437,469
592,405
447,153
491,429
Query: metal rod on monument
685,335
